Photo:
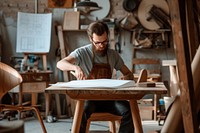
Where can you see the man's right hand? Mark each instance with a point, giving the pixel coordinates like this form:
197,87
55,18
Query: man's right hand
78,73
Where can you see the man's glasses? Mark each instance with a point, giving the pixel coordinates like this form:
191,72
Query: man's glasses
98,43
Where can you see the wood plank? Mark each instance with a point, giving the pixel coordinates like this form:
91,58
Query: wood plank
64,50
71,20
145,61
184,66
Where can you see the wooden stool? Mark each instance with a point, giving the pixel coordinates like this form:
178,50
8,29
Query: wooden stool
105,117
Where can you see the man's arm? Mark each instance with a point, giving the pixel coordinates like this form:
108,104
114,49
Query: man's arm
67,64
127,74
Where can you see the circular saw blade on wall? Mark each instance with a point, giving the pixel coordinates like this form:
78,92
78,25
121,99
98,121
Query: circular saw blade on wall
144,15
101,13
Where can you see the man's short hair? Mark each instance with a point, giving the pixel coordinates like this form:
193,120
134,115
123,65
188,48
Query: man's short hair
98,28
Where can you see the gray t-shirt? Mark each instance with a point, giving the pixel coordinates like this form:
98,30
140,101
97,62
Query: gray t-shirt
83,56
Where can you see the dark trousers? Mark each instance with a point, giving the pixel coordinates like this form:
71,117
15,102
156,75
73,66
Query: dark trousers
121,108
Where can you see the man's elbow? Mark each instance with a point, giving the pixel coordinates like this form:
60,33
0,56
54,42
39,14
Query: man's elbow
59,65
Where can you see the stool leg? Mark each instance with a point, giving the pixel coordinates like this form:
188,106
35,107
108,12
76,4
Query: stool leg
47,102
117,125
112,126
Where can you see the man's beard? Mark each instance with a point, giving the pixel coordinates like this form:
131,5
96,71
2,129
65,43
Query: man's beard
100,52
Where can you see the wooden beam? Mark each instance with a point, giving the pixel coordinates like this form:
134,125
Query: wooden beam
179,30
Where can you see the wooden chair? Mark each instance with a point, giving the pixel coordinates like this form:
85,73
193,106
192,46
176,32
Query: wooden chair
147,103
151,65
153,68
10,78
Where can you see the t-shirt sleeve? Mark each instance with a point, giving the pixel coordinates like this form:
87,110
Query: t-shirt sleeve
82,54
76,54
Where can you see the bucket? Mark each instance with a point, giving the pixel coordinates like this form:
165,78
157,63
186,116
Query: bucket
168,101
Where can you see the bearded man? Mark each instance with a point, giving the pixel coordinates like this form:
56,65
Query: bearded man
97,61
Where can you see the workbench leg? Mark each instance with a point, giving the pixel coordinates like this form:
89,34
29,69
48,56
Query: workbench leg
136,116
77,116
47,104
58,107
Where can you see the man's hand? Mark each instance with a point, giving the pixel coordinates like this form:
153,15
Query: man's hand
127,77
78,73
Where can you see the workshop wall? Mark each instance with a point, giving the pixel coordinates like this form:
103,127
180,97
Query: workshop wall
8,26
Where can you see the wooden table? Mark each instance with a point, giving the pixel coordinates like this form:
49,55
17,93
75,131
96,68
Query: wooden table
130,93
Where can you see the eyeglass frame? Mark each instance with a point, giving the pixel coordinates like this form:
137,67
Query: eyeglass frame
98,43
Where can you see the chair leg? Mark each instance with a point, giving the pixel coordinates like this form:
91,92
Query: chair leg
40,119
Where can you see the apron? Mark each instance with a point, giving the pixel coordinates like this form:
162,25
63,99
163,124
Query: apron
100,70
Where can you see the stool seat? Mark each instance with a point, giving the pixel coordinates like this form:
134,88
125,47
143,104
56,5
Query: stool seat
104,117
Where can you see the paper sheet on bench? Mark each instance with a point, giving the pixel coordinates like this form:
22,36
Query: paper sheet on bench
96,83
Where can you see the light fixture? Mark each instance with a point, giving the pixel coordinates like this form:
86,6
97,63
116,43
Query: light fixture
87,6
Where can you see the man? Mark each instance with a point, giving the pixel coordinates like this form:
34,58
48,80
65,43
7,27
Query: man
96,61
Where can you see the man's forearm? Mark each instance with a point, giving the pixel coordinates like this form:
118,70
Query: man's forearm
65,65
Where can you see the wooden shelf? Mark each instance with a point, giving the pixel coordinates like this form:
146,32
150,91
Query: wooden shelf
151,48
157,31
76,30
159,38
154,31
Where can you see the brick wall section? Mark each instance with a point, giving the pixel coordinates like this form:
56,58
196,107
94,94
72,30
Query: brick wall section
11,7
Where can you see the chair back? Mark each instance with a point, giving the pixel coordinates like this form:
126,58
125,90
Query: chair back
142,76
152,66
9,78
